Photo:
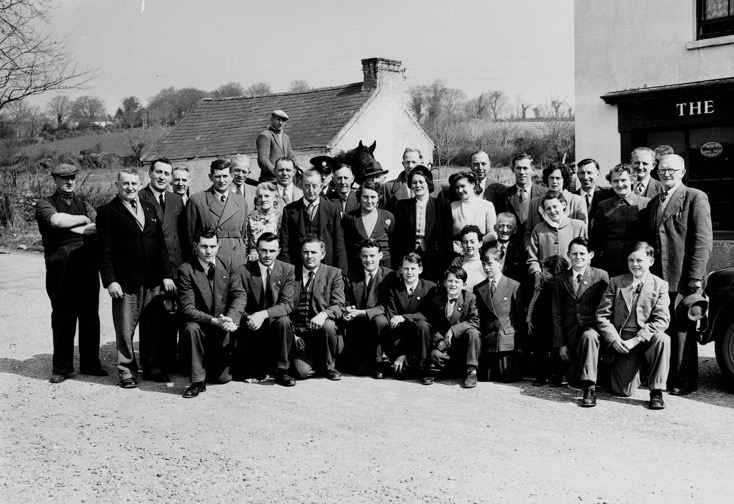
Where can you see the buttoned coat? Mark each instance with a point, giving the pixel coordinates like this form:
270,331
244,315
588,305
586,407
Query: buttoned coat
399,303
293,231
501,316
327,292
573,311
682,236
282,286
652,312
376,300
600,194
547,240
355,234
270,148
464,317
131,256
229,220
575,209
173,222
200,302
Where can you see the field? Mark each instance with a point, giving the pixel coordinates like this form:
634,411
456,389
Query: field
117,142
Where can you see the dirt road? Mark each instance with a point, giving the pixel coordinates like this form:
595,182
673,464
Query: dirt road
354,441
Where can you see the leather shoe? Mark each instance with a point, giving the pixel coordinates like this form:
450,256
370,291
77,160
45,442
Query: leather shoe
283,378
682,391
589,399
194,389
378,375
333,375
471,380
427,380
656,400
94,372
129,383
57,378
160,378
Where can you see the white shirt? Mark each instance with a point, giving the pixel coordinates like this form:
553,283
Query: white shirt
305,273
264,270
282,191
220,194
158,194
411,286
664,204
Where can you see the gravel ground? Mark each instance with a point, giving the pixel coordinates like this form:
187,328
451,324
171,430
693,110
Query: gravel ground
358,440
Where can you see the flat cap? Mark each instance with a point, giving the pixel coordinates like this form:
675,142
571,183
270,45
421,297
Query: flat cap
280,113
64,170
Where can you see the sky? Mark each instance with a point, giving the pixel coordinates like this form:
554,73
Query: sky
522,47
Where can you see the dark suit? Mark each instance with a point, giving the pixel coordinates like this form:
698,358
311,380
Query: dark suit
653,188
270,148
618,225
502,327
327,225
350,205
366,336
509,201
464,324
514,263
137,259
574,319
326,295
683,238
201,300
72,285
355,234
412,338
269,346
439,236
600,194
229,219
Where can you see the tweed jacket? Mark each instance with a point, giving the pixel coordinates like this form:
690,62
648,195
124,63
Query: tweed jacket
509,201
327,291
376,300
682,236
282,286
547,240
653,308
575,209
173,221
270,148
463,318
501,316
574,311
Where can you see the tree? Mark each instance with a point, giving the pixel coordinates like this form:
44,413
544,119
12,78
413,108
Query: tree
496,101
258,89
59,107
170,105
32,61
34,120
417,102
87,109
228,90
299,86
18,113
556,105
131,112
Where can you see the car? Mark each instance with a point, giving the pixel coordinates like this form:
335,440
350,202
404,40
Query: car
720,326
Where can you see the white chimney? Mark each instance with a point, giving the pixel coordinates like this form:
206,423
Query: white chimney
383,74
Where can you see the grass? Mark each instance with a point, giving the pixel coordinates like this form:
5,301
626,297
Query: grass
117,142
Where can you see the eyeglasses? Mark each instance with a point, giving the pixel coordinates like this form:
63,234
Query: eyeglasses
669,170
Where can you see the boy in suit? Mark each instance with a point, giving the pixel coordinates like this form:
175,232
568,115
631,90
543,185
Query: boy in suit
318,301
410,330
366,321
452,314
269,285
632,317
576,296
212,302
501,325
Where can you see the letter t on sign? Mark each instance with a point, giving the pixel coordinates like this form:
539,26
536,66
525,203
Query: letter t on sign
681,109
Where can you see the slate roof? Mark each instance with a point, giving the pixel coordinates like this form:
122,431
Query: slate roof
225,126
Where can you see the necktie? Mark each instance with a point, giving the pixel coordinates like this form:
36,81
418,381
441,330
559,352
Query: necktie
368,289
223,198
663,196
502,252
410,292
640,189
239,191
311,211
210,272
578,282
266,289
588,200
162,202
286,198
309,281
450,307
493,287
521,194
134,204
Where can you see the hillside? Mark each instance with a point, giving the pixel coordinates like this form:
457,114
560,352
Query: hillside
117,142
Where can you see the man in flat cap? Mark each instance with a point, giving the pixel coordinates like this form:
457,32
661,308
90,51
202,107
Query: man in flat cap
66,223
273,144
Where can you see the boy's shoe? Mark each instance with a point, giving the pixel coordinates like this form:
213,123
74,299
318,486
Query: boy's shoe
589,399
427,380
471,380
656,400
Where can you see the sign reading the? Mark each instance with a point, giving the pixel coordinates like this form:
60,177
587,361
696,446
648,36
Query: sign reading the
695,108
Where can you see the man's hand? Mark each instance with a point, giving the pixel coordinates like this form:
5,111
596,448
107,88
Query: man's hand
115,290
448,337
531,328
400,363
441,346
353,313
318,321
169,285
396,321
620,347
563,353
300,344
229,326
256,320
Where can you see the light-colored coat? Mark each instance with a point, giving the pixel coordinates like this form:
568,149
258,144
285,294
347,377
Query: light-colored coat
575,209
547,240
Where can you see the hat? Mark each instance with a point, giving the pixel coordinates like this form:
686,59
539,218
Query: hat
373,169
423,171
693,306
324,164
280,113
64,170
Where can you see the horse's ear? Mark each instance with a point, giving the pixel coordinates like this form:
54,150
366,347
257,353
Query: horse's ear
372,147
360,144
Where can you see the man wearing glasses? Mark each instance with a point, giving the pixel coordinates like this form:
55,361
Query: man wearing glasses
680,219
643,162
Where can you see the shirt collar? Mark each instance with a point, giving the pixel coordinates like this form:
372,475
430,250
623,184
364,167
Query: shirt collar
675,188
582,272
264,269
412,286
497,279
527,187
156,192
367,273
306,271
205,265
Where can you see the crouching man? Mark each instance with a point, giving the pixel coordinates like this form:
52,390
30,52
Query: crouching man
632,317
212,301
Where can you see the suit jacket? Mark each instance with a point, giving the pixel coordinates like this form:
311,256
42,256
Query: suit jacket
439,235
327,291
173,221
515,262
653,187
463,318
204,209
618,226
377,298
653,312
199,302
682,236
293,231
575,311
398,302
282,286
297,194
575,209
352,202
131,256
249,193
509,201
270,148
501,316
355,234
600,194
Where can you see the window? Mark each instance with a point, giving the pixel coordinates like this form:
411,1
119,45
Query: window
715,18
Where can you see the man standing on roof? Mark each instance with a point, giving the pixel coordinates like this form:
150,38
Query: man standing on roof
273,144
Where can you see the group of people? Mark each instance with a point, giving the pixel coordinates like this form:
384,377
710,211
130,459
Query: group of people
403,277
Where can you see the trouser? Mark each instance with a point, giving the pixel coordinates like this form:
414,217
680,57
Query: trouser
76,299
167,327
584,355
258,353
463,352
322,347
211,353
501,366
365,341
413,339
683,350
127,312
625,368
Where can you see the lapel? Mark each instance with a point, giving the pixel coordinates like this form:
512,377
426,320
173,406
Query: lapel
458,309
323,214
255,281
403,296
569,283
278,140
230,208
276,280
202,283
131,222
514,200
359,286
675,203
300,215
485,294
214,204
319,282
502,288
430,216
585,282
626,291
403,192
150,197
361,230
